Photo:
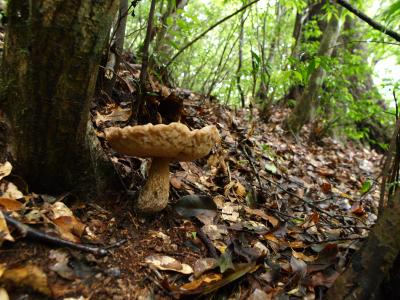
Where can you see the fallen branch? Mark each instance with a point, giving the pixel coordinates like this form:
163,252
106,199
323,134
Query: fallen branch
36,235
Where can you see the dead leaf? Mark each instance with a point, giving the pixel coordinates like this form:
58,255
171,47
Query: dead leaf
259,295
9,204
203,265
212,282
240,190
258,212
320,279
4,294
230,212
298,266
29,275
4,231
10,190
162,262
69,228
304,257
204,280
59,209
61,266
326,187
118,114
5,169
176,182
215,232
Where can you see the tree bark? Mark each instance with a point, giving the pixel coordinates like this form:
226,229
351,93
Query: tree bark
314,11
305,107
117,47
370,266
52,52
240,58
362,87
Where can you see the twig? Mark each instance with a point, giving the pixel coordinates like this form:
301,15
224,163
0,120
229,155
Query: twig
340,239
253,167
37,235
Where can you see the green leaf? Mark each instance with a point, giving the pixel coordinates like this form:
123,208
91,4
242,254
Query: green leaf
225,262
366,186
270,167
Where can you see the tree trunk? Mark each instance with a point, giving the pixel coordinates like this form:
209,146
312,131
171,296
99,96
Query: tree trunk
362,87
117,48
370,266
240,59
52,52
314,11
305,107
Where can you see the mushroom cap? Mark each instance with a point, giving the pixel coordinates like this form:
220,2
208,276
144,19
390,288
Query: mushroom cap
173,141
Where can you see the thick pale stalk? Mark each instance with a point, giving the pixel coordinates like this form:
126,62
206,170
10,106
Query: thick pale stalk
155,194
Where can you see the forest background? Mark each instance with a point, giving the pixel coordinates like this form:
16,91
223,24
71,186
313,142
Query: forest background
268,54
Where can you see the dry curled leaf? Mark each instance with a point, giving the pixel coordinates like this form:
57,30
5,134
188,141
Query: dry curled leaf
5,169
9,204
167,263
69,228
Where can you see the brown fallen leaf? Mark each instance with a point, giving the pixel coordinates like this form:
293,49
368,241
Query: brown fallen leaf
29,275
202,281
212,282
167,263
9,204
240,190
69,228
304,257
176,182
203,265
326,187
258,212
320,279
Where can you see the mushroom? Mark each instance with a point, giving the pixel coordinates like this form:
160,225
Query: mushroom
163,143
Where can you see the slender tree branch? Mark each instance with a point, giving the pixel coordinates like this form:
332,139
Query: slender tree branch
145,63
208,30
369,21
37,235
361,41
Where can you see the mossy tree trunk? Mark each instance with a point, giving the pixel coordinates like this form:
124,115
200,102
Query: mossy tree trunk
50,65
308,102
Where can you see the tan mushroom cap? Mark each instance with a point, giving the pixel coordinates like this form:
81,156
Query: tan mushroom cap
174,141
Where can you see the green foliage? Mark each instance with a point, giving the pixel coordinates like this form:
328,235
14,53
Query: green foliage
270,56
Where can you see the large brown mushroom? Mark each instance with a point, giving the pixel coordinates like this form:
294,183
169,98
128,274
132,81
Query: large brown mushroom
162,143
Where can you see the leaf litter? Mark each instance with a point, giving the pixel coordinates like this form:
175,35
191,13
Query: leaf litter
265,215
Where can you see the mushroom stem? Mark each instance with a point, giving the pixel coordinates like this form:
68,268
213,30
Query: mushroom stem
154,195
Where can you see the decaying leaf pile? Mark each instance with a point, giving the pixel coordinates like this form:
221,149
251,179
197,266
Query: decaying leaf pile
265,214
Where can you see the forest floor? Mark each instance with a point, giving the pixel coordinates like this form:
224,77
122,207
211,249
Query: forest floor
266,214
